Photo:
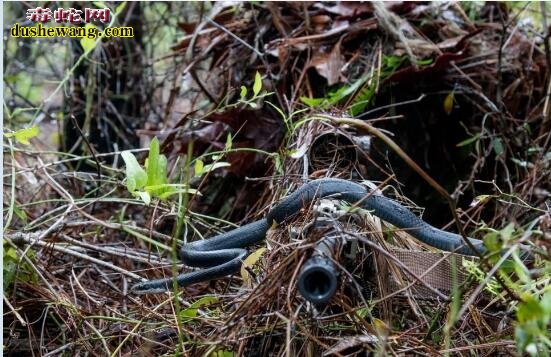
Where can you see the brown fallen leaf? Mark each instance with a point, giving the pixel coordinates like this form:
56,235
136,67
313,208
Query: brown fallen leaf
329,65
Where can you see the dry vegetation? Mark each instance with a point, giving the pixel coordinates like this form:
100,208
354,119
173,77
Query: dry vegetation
248,100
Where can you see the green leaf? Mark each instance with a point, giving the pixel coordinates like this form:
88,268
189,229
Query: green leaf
312,102
136,177
156,170
153,167
243,92
363,98
529,309
520,269
163,178
145,196
20,213
249,262
162,173
469,140
173,191
393,61
481,199
23,136
88,44
300,152
10,266
257,86
522,338
204,301
424,62
280,112
198,168
337,95
507,232
120,7
11,80
448,103
100,4
216,165
27,88
18,111
533,316
191,311
492,242
228,145
497,144
363,312
131,184
15,268
546,306
527,127
151,182
278,165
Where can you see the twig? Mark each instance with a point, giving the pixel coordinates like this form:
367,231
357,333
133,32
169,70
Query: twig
92,152
15,313
393,105
237,38
54,246
57,351
507,343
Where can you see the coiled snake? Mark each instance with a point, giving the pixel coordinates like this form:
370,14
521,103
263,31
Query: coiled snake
223,254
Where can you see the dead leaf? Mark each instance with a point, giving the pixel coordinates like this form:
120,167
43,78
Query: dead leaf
448,103
329,65
249,262
351,342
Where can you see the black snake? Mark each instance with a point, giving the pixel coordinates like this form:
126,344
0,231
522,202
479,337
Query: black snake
223,254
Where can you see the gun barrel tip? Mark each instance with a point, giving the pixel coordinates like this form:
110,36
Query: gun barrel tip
317,283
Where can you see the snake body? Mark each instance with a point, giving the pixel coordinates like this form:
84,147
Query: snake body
223,254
